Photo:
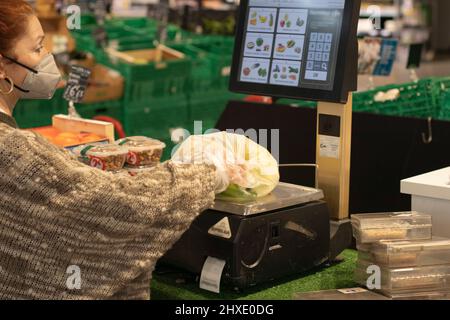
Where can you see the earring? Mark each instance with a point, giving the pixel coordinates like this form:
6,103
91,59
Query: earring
8,79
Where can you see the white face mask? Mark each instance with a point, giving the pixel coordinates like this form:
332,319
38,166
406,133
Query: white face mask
41,81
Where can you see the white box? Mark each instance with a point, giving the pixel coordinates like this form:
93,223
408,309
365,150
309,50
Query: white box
430,193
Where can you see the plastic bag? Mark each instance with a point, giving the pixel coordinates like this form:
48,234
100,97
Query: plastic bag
245,170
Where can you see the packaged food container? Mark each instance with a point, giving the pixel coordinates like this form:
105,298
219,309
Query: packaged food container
368,228
135,171
400,254
107,157
406,281
436,295
142,151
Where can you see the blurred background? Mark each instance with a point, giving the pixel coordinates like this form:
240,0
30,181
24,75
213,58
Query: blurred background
159,65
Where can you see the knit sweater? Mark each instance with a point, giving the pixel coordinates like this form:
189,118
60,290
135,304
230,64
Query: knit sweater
69,231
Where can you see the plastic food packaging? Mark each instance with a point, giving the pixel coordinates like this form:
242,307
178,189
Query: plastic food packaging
402,254
245,170
142,151
407,281
107,157
135,171
369,228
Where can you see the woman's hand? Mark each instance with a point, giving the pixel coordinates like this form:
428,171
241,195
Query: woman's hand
218,150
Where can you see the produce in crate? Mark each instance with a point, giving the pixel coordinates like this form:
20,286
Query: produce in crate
245,170
142,151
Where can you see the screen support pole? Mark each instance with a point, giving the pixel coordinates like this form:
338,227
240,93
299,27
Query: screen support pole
333,151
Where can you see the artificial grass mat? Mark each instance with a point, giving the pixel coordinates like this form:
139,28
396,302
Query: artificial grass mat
182,286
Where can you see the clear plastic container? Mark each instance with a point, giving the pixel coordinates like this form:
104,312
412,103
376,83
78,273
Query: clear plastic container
400,254
142,151
406,281
135,171
421,296
352,294
107,157
369,228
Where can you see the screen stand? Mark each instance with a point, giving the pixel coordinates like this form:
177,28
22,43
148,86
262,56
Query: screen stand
333,147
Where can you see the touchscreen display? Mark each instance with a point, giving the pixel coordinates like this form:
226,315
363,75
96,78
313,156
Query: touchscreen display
291,43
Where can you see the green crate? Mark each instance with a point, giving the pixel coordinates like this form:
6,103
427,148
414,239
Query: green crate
443,91
220,52
38,113
202,81
208,110
145,83
416,100
145,26
118,37
156,118
113,109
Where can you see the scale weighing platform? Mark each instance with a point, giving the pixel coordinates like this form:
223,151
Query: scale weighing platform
298,49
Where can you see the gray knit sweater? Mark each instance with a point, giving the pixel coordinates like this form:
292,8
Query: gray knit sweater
68,231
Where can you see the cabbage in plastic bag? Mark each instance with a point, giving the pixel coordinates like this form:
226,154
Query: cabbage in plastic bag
245,170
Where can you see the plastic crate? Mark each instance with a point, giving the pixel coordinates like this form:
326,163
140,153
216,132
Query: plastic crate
208,110
220,53
415,100
146,83
120,38
443,92
157,118
112,109
202,80
38,113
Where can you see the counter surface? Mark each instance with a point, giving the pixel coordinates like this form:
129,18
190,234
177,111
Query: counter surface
182,286
434,184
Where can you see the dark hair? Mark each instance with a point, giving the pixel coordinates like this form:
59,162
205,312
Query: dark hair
13,22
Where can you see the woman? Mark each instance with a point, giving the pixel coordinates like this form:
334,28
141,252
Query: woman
68,231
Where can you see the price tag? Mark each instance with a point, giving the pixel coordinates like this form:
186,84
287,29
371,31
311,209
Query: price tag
77,84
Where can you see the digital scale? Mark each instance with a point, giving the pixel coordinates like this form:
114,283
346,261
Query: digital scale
300,49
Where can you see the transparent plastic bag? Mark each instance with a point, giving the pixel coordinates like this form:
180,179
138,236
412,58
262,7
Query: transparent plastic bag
245,170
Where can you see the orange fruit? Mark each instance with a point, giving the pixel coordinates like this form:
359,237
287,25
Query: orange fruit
89,137
66,139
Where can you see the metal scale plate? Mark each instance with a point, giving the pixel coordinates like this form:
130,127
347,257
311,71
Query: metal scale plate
284,195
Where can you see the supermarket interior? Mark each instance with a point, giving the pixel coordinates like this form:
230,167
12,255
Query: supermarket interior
342,108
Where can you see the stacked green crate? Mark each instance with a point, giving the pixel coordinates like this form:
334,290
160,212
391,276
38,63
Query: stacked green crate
145,26
111,109
220,52
416,99
155,96
39,113
443,93
208,92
